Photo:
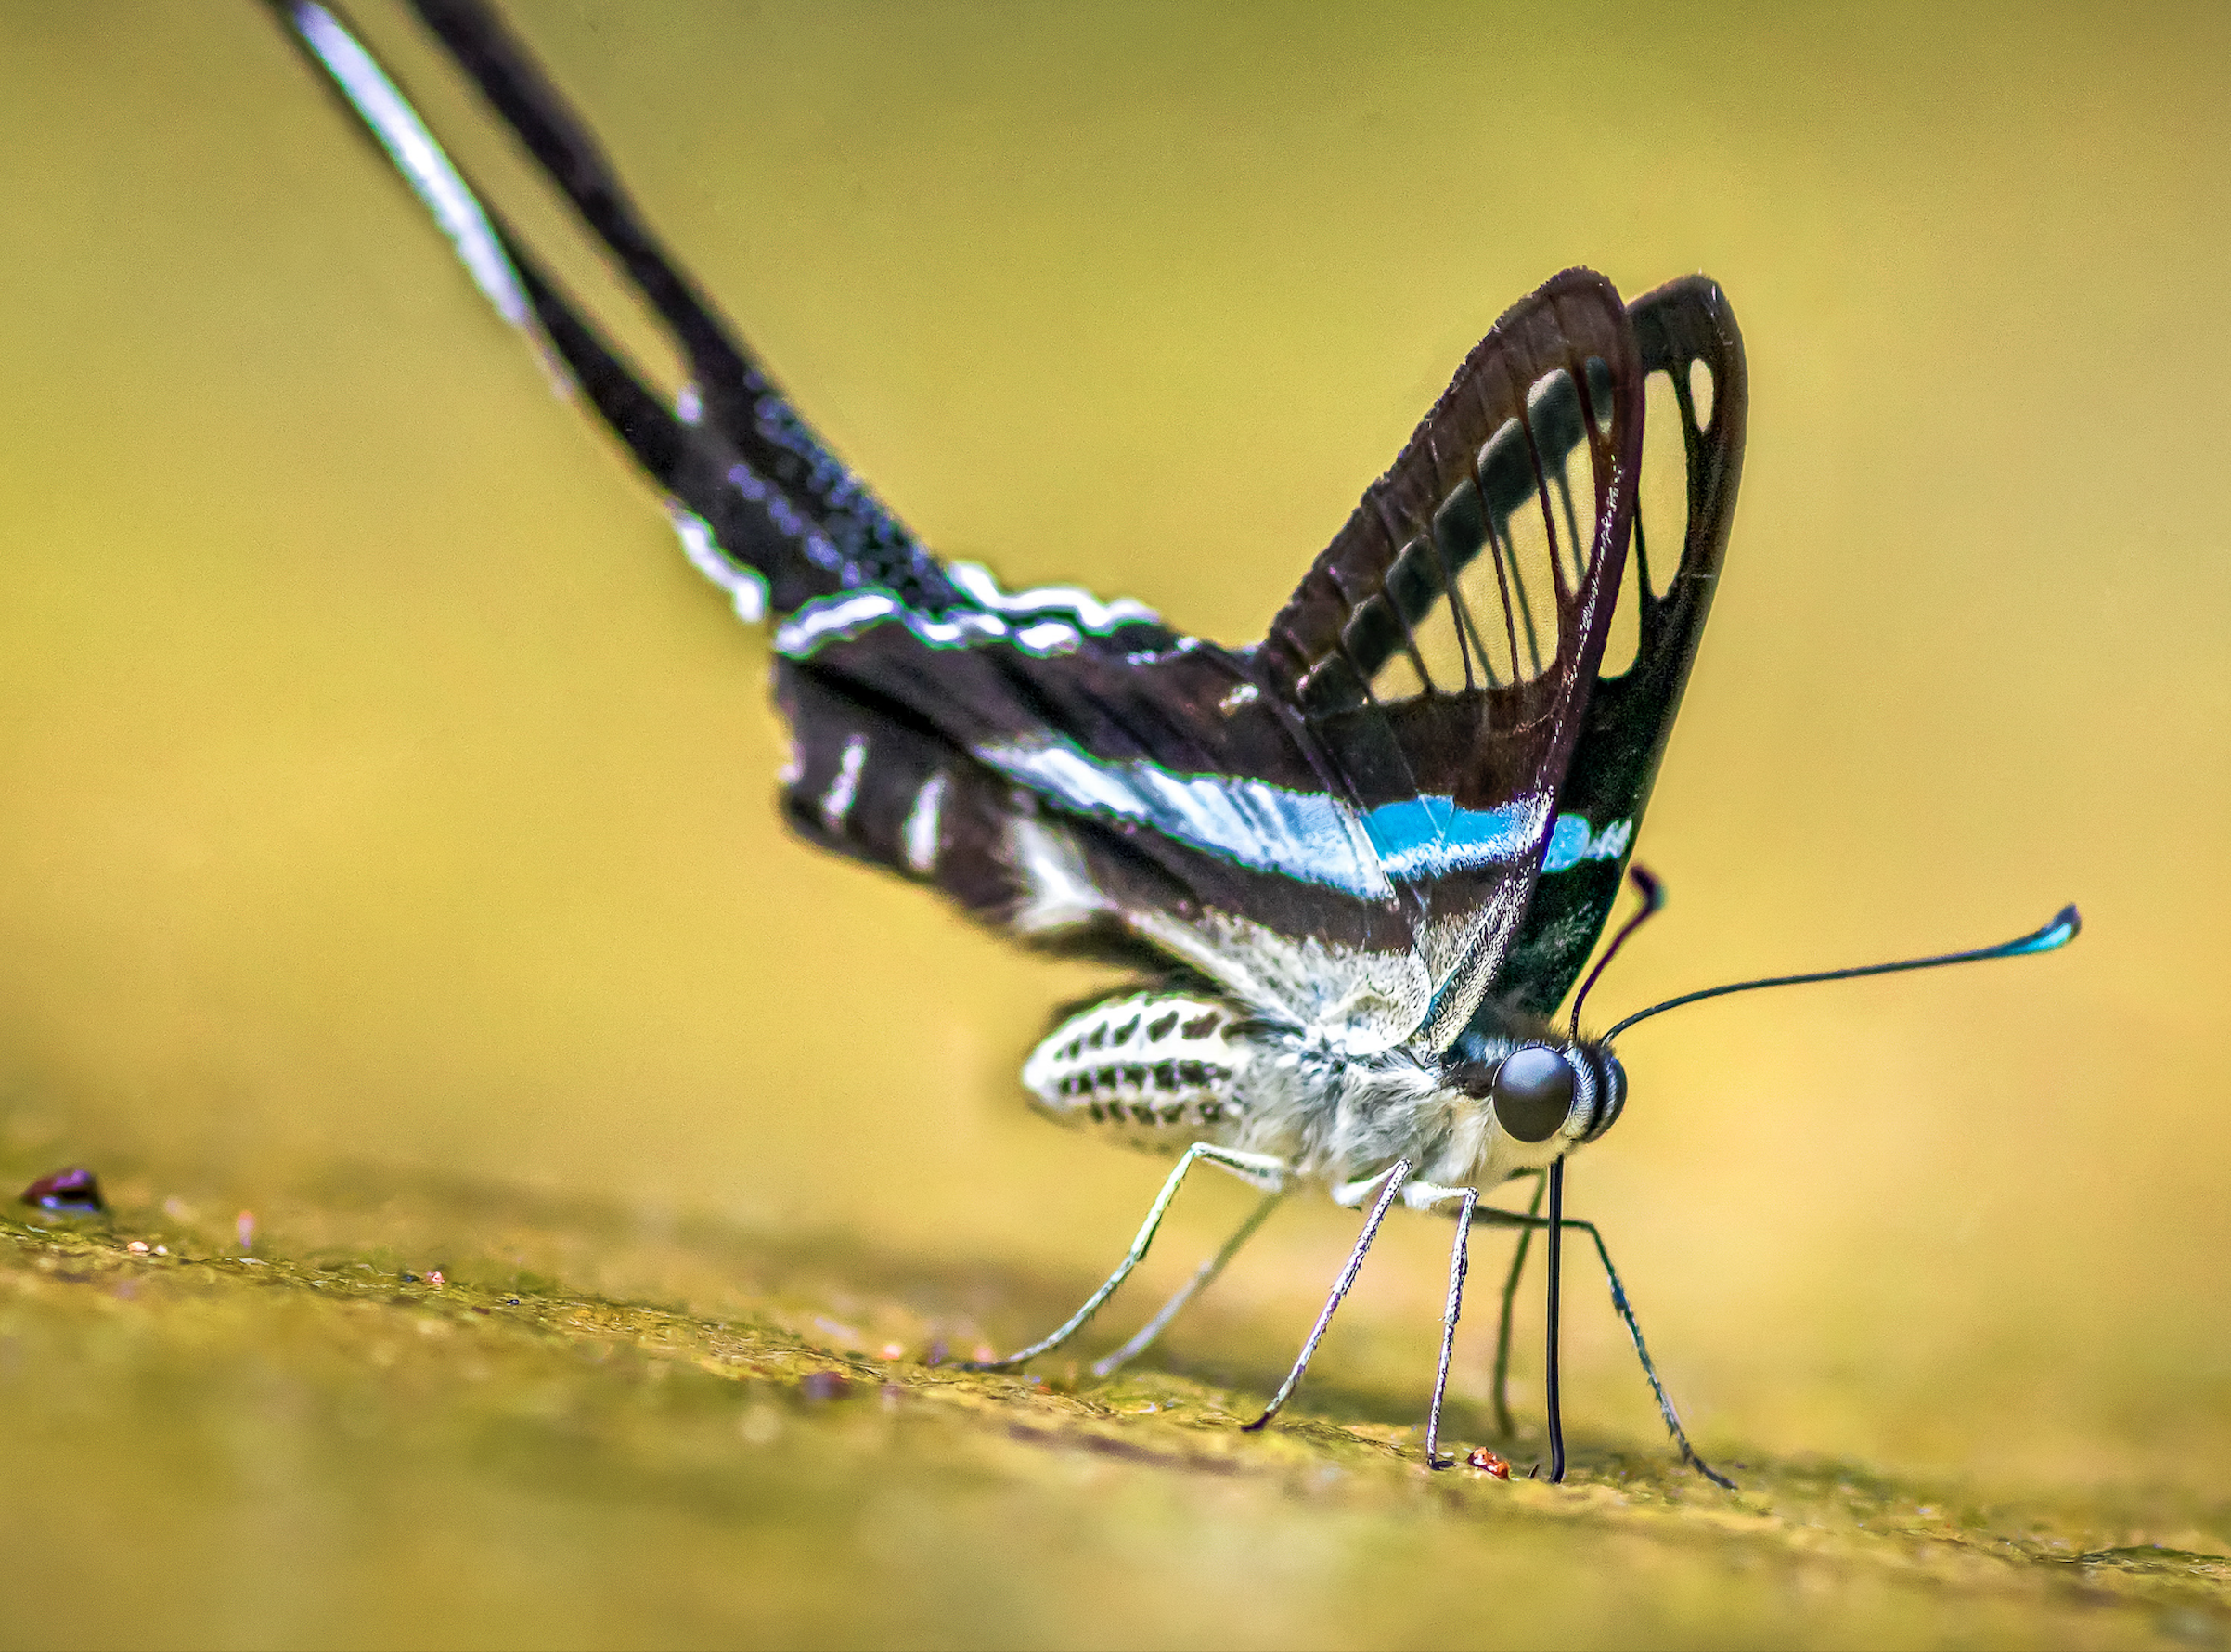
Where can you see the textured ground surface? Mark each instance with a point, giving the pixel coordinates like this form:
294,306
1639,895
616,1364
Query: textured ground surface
379,785
584,1433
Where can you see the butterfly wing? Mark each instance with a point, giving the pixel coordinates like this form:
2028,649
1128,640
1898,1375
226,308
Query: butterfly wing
1344,824
1442,650
1331,844
937,728
1688,333
762,504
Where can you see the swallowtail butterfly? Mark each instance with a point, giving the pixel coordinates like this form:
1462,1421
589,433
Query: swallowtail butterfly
1356,866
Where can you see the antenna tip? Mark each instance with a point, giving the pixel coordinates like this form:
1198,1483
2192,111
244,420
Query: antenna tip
2065,926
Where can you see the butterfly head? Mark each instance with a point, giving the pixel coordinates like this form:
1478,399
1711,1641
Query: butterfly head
1544,1096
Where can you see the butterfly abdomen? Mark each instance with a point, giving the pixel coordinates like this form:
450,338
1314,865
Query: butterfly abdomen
1153,1063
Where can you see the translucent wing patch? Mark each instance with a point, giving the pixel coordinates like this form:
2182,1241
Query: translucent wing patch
1441,650
1699,395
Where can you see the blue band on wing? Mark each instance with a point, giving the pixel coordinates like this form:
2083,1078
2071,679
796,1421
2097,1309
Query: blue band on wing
1573,840
1303,836
1430,837
1296,835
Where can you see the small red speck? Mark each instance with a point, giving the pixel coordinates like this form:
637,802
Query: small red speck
894,1351
1488,1463
984,1354
138,1247
243,1228
435,1278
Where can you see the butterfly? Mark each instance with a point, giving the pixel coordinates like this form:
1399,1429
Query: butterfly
1354,867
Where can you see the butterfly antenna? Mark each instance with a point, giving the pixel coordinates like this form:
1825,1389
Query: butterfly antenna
1653,897
2057,934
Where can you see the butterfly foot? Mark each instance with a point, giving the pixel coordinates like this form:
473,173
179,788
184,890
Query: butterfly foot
1709,1473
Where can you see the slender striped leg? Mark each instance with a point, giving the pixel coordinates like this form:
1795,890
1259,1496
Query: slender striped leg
1503,1426
1394,1180
1489,1216
1459,1263
1425,1196
1203,1276
1256,1168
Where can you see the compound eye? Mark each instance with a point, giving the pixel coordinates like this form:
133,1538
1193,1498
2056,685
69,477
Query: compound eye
1533,1093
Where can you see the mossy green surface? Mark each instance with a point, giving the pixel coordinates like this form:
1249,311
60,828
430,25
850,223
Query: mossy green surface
708,1437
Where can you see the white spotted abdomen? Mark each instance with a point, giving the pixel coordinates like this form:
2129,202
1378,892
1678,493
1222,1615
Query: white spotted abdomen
1159,1064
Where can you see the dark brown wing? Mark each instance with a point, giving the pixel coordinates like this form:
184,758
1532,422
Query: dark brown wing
1691,358
1331,840
1442,650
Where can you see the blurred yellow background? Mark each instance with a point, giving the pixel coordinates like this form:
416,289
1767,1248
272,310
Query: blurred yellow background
378,783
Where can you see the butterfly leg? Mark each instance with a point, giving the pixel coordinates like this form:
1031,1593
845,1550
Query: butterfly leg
1503,1426
1258,1168
1641,1352
1393,1179
1203,1276
1488,1215
1423,1195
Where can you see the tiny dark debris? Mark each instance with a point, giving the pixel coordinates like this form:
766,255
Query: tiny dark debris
937,1353
73,1192
824,1384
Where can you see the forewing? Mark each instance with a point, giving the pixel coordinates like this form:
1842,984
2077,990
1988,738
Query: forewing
1332,840
1346,825
1698,397
1060,766
1440,652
